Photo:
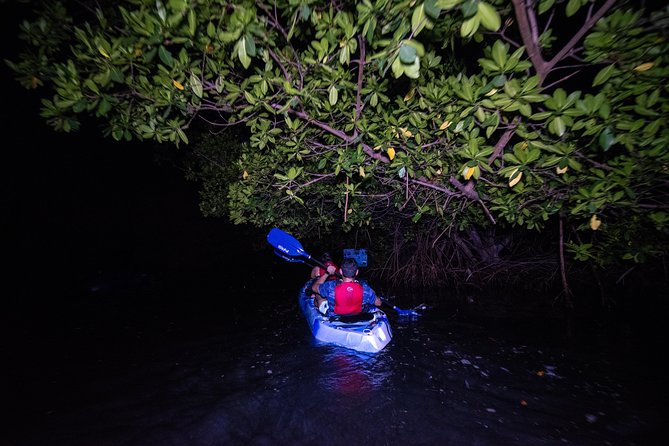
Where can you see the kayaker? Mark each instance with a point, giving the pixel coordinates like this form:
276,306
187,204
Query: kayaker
345,296
326,259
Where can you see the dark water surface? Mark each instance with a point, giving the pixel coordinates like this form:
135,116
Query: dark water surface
141,360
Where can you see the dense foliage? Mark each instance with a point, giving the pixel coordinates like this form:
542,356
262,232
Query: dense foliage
450,126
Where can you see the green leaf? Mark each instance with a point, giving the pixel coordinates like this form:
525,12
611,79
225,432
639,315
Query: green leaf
333,95
545,5
250,98
407,54
572,7
305,11
490,18
104,107
469,27
397,68
499,53
488,65
606,139
420,49
250,45
603,75
191,22
196,85
182,136
432,9
165,56
469,8
557,126
344,55
418,19
91,85
499,80
241,53
412,71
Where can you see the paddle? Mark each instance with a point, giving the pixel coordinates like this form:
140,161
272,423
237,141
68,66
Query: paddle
290,249
286,244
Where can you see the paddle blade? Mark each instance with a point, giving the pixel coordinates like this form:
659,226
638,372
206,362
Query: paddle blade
288,258
406,313
400,312
286,243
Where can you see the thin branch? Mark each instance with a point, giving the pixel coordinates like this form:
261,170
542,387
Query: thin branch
431,185
503,141
346,203
579,34
562,79
361,66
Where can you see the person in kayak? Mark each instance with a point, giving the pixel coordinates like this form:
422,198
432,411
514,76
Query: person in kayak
326,259
345,296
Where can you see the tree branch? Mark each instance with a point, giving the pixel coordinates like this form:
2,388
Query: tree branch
361,66
522,11
338,133
503,141
579,34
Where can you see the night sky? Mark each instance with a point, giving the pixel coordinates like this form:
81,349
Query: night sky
79,209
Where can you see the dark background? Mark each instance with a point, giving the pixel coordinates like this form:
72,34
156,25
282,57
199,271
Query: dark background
85,217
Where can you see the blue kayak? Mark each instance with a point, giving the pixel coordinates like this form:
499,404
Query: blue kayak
368,332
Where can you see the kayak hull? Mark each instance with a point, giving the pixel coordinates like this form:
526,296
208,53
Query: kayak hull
366,336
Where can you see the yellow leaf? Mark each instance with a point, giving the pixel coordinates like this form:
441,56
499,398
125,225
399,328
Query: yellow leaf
492,92
405,131
361,171
409,95
104,52
138,52
444,125
560,171
245,175
523,145
469,171
391,153
595,222
177,84
644,67
377,148
349,210
514,180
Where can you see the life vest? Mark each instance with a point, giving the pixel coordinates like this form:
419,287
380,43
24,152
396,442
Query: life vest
348,298
322,271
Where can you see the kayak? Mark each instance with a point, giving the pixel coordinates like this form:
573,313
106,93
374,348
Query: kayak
368,332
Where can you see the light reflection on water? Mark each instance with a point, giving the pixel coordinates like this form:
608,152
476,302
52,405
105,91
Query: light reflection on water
350,373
